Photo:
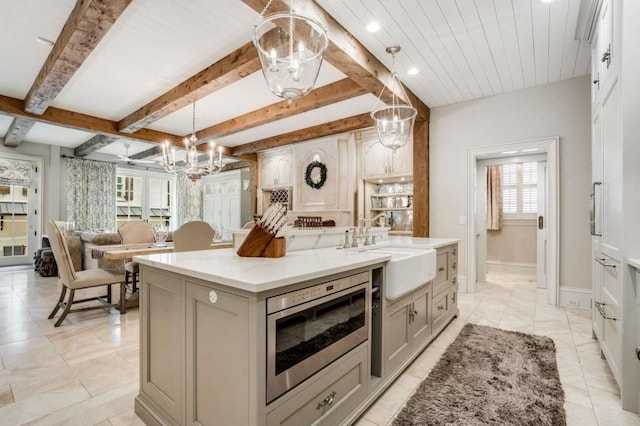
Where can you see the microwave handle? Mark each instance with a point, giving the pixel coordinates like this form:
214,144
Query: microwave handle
592,211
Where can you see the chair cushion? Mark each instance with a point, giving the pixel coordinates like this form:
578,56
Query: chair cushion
96,277
132,267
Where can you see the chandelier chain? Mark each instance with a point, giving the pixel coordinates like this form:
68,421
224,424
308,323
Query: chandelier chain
264,10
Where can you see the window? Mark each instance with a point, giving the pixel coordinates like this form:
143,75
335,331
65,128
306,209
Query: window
144,196
519,189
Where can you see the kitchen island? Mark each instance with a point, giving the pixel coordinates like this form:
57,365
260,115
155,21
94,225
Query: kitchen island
295,340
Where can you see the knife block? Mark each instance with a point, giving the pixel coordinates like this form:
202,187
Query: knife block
260,243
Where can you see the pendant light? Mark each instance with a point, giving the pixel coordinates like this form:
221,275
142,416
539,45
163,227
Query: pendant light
291,48
394,123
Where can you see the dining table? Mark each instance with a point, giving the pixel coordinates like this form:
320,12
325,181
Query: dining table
127,251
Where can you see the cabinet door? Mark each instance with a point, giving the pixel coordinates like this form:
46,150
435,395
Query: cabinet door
597,279
612,175
162,341
612,330
217,357
284,166
607,55
375,159
421,320
402,161
268,171
397,335
596,72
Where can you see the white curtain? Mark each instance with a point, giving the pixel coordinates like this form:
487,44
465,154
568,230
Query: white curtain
494,198
189,195
91,194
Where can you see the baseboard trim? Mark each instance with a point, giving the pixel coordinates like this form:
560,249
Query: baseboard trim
511,267
575,297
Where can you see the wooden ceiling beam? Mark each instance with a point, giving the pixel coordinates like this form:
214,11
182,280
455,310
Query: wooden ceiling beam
74,120
147,153
233,67
326,129
94,144
86,26
317,98
17,131
346,53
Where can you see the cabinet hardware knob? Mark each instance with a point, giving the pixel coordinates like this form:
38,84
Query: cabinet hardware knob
441,269
327,401
638,353
606,56
441,307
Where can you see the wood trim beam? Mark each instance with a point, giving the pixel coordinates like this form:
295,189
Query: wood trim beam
421,179
236,165
346,53
74,120
86,26
317,98
94,144
326,129
233,67
147,153
17,131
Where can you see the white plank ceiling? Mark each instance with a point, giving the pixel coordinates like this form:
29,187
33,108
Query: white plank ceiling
463,49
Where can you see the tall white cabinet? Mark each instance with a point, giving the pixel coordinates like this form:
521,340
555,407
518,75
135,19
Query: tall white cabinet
615,199
226,201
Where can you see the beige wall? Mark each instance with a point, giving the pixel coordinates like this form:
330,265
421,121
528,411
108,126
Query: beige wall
515,242
560,109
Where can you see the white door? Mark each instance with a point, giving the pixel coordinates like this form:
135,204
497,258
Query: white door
20,207
542,234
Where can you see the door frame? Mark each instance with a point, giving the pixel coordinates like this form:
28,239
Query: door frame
35,203
546,145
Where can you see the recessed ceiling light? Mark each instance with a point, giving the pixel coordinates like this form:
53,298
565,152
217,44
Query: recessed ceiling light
547,1
413,71
373,27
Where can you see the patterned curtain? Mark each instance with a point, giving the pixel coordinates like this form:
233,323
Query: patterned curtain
189,195
494,198
91,194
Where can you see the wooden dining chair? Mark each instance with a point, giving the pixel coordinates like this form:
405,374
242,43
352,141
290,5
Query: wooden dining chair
195,235
73,280
135,232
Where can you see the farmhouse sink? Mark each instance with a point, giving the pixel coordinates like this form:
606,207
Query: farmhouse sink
408,268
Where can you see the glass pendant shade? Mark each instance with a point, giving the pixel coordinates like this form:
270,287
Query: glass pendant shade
291,49
394,123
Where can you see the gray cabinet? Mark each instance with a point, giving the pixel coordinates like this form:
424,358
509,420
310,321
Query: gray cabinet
162,353
193,339
407,327
217,351
329,398
445,287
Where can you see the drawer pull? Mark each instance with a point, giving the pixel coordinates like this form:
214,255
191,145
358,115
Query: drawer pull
603,262
600,307
453,266
441,307
453,298
441,269
327,401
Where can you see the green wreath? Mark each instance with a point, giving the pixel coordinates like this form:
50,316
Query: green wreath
316,182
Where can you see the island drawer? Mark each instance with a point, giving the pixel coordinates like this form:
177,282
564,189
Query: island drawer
439,309
329,398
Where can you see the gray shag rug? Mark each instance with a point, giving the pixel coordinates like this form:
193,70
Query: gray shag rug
490,376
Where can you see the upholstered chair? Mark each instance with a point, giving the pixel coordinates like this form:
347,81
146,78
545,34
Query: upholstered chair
135,232
73,280
196,235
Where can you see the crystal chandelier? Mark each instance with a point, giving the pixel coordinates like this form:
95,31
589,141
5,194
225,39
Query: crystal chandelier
190,166
394,123
290,47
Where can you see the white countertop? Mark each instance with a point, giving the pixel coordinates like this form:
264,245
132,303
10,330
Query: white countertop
257,274
635,263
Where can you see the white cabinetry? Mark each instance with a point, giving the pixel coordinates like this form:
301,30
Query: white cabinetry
226,201
381,162
276,168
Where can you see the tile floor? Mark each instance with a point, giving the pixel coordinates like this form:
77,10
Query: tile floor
86,371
